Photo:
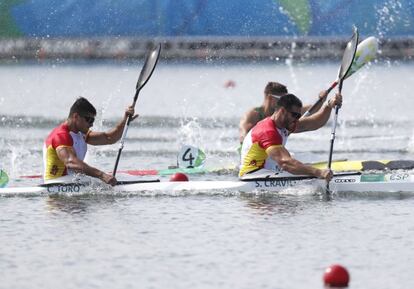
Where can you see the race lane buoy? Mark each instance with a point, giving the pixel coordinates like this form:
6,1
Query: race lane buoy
179,177
229,84
336,276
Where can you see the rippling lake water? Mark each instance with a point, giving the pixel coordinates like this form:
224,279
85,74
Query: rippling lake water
202,240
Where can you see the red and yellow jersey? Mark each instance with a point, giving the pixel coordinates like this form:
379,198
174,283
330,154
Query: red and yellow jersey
53,166
61,136
261,137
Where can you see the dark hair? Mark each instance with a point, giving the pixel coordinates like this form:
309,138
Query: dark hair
275,88
83,107
288,101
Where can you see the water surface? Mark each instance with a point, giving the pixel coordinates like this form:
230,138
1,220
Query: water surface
202,241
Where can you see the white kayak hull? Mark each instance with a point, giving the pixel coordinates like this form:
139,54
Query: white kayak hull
363,183
399,182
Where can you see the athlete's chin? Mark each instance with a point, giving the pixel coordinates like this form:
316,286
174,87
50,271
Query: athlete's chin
292,127
84,131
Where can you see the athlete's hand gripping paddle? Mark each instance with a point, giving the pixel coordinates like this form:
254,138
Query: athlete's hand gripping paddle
146,72
366,51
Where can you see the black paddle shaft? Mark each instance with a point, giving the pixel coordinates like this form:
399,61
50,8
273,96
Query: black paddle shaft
346,63
146,72
347,59
121,144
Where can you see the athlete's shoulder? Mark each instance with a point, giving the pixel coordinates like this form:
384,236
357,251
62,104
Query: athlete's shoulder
265,124
266,133
60,136
252,115
259,112
259,109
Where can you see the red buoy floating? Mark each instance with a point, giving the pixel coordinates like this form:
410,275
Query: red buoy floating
336,276
229,84
179,177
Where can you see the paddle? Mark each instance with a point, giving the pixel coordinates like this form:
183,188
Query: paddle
346,63
146,72
366,51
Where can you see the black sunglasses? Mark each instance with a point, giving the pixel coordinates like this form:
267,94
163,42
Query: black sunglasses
89,119
294,114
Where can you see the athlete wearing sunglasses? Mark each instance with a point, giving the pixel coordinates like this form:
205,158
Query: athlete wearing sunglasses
263,151
295,115
272,92
89,119
65,148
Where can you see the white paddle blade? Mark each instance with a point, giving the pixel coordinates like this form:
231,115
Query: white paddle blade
149,66
349,55
366,51
190,157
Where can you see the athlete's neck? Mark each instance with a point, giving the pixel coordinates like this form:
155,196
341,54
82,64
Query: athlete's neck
276,117
268,110
71,125
268,106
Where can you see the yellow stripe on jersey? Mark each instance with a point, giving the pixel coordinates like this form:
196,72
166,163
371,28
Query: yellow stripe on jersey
272,146
254,159
55,168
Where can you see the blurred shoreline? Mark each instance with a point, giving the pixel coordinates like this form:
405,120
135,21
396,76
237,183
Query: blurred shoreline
194,48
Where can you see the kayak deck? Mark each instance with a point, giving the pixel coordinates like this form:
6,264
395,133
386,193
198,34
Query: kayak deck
352,182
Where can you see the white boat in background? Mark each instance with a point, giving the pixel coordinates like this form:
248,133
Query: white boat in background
387,182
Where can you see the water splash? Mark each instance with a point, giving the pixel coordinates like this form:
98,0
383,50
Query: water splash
389,16
361,82
190,133
289,63
215,144
19,160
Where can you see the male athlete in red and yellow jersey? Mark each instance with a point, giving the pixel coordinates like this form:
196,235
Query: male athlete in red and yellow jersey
65,147
272,92
263,149
264,135
61,137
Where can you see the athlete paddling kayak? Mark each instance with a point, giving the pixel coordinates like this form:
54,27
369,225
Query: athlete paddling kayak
65,148
272,92
263,151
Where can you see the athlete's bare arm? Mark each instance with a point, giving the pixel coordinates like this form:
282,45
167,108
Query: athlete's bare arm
68,157
247,122
318,119
322,95
113,135
286,162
